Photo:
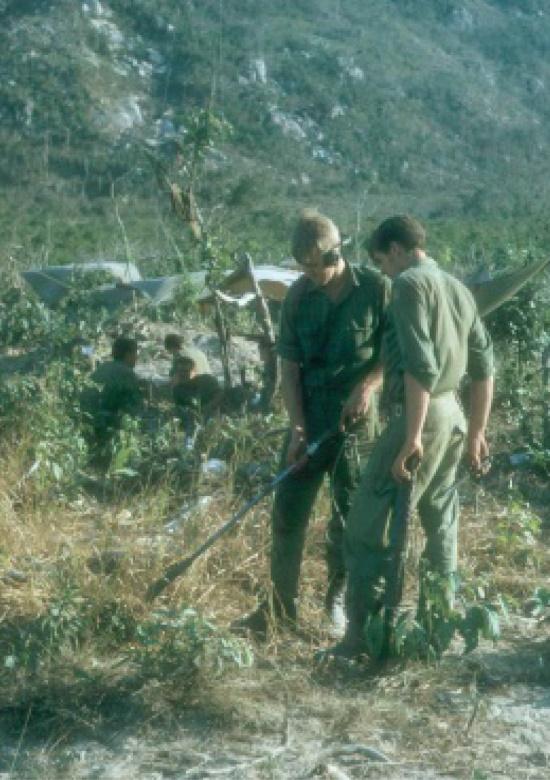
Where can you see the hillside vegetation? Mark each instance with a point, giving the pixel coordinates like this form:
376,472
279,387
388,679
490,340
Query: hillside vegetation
359,106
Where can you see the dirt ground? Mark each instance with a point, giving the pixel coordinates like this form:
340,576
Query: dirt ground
486,715
479,716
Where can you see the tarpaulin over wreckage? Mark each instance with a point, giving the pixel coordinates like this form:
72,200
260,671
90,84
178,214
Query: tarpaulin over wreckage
51,284
273,281
490,291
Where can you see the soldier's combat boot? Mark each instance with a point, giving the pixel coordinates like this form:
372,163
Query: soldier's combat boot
352,645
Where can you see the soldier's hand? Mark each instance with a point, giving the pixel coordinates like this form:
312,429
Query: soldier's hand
356,407
477,453
407,461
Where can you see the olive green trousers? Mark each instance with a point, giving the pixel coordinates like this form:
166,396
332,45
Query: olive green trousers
368,524
293,503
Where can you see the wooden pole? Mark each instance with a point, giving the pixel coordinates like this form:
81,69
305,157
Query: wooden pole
546,398
224,337
269,356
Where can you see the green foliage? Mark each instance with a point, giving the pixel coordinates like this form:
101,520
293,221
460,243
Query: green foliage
127,448
60,451
136,449
479,621
170,646
66,82
18,396
26,646
436,625
180,645
180,307
540,601
480,774
522,320
541,461
58,447
45,411
517,531
519,329
24,321
27,322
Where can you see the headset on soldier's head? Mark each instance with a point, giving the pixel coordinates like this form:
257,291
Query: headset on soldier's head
332,255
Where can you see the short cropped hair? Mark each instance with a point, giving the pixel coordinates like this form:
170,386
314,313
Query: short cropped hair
402,229
124,346
173,342
314,231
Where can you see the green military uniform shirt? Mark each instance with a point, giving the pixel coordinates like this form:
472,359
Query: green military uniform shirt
335,343
121,390
434,333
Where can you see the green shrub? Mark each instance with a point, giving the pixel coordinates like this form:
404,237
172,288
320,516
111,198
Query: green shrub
23,319
182,644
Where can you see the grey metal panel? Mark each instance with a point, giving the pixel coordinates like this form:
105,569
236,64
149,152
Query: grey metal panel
52,283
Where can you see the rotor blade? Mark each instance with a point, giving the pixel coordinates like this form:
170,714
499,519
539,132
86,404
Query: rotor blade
493,293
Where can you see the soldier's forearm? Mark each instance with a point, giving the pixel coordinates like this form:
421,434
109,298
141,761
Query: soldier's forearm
481,398
417,399
373,380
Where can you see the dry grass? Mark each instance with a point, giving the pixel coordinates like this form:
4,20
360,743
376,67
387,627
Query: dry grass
429,720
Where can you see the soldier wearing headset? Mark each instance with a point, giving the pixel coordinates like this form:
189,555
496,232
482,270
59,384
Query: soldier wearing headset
329,345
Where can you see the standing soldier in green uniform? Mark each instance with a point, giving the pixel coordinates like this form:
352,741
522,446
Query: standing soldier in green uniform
433,337
329,345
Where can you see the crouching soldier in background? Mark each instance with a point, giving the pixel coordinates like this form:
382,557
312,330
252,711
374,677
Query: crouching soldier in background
330,339
116,391
174,345
433,337
196,395
195,392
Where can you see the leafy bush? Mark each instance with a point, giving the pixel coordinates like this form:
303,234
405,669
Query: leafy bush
27,322
516,534
18,396
150,452
23,319
44,412
170,645
28,645
430,634
182,644
58,443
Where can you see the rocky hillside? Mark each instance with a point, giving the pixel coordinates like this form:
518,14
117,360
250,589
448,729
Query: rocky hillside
359,106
